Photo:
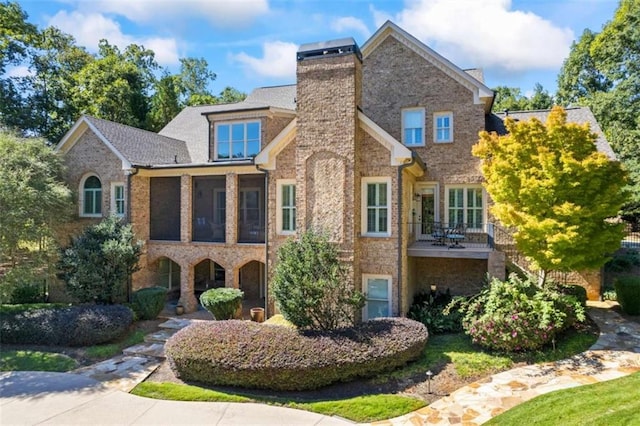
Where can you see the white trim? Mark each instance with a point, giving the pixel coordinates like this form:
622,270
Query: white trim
442,114
230,123
112,195
365,182
400,154
365,289
280,183
465,203
81,194
422,125
267,157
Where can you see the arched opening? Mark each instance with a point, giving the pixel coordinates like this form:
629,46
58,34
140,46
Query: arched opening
252,283
169,277
208,274
91,202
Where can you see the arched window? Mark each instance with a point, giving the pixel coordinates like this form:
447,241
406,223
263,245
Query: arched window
92,201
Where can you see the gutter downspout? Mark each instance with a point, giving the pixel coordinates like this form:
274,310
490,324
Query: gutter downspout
132,172
266,240
401,228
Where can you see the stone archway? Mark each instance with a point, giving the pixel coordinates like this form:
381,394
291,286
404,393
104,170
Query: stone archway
251,280
208,274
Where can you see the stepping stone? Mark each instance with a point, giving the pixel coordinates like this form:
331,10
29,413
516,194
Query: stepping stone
176,323
160,336
146,349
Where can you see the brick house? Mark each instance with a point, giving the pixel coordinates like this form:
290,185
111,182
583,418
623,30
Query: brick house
372,145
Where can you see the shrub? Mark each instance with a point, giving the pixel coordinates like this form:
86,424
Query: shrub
428,308
147,303
628,292
517,315
223,303
310,285
21,284
253,355
575,290
97,265
67,326
623,261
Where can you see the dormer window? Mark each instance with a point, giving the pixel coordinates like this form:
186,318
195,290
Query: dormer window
237,140
413,127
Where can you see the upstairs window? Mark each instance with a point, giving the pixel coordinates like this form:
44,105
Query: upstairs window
92,197
443,127
117,199
413,127
376,208
239,140
465,206
286,201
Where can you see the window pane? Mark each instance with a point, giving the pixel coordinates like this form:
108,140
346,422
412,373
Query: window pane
371,220
223,150
223,133
238,149
253,148
92,182
377,288
382,220
97,208
237,132
88,202
417,136
285,195
371,194
377,309
382,194
412,119
286,219
253,131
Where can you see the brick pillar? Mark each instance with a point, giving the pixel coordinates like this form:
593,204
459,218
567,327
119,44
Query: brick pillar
232,209
496,265
186,200
187,296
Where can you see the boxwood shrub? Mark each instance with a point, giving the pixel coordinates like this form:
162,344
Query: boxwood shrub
222,302
628,293
253,355
67,326
147,303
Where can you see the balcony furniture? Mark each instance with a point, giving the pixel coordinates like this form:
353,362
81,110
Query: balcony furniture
455,235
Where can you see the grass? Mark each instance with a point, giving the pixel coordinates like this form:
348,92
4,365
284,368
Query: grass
614,402
15,309
111,349
359,409
19,360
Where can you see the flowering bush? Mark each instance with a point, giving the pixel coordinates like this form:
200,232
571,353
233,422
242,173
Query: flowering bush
252,355
517,315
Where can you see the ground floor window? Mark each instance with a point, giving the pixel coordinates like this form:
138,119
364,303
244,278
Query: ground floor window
168,274
377,289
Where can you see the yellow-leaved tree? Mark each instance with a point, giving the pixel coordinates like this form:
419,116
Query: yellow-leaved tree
551,184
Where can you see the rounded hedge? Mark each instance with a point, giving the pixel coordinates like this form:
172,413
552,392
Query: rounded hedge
628,294
222,302
253,355
69,326
149,302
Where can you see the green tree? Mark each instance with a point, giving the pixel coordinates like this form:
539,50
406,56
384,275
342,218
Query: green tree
194,79
603,72
511,98
165,102
230,95
99,262
551,184
31,188
16,35
310,286
540,99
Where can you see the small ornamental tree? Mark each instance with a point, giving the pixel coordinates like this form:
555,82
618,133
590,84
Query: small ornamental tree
97,265
310,285
551,184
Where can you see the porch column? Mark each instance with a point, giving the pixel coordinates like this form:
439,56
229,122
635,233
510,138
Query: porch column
496,265
232,209
185,208
187,296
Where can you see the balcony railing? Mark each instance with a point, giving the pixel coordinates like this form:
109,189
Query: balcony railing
460,235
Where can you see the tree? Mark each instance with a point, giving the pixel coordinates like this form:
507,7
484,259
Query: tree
231,95
165,102
541,99
511,99
551,184
603,72
16,35
97,265
309,285
31,188
194,78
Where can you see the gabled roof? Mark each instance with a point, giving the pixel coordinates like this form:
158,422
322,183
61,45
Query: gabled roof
481,93
134,147
579,115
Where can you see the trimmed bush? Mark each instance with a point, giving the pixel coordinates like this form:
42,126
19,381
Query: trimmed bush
147,303
428,308
628,293
69,326
517,315
222,302
253,355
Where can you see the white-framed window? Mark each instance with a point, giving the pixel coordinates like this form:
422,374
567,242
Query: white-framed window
117,199
443,127
376,206
377,289
413,126
237,140
286,210
91,196
465,205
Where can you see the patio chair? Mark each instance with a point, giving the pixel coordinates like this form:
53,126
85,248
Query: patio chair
455,235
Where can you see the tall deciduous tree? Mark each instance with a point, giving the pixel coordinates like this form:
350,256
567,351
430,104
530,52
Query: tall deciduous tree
511,98
551,184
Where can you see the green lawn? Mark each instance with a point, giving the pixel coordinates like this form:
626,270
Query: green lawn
616,402
35,361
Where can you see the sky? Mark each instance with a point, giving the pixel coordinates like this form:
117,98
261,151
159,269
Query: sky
252,43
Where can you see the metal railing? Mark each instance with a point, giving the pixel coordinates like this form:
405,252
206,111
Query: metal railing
631,237
442,233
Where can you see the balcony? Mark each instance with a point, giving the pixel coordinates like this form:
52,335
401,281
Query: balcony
463,241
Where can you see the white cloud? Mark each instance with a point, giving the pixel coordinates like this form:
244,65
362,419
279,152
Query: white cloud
19,71
278,60
486,33
349,23
90,28
221,13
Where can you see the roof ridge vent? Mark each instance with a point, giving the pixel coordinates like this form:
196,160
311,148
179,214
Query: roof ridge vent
339,47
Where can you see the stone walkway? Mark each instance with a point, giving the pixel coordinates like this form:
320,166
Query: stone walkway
615,354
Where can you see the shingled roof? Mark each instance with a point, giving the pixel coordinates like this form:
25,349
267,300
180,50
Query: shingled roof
579,115
138,147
